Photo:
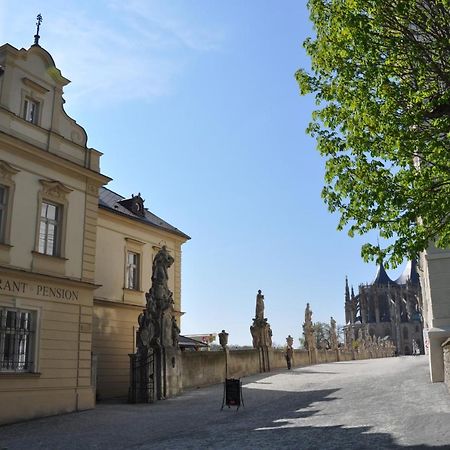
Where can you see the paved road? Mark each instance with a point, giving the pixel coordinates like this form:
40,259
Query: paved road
378,404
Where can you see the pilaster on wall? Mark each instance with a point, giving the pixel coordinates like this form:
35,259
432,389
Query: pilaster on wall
90,232
177,281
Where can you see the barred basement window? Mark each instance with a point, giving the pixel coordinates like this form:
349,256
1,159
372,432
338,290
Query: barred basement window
16,340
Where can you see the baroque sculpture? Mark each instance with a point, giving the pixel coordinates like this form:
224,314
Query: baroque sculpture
260,329
156,339
308,329
223,339
155,325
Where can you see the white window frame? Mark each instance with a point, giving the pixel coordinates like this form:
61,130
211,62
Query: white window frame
50,229
131,294
31,110
53,193
133,269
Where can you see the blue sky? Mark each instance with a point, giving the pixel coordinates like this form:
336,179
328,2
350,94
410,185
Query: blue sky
194,105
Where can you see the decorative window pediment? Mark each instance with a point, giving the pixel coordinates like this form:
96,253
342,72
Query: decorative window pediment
35,86
7,172
54,190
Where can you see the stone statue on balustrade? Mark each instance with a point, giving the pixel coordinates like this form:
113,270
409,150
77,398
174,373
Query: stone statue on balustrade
259,312
223,339
260,328
308,329
289,351
333,334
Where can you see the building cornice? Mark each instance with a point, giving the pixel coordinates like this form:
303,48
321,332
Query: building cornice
33,276
39,154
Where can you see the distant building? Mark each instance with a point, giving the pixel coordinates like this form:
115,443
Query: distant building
387,308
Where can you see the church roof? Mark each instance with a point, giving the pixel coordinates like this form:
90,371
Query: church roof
410,274
382,278
112,201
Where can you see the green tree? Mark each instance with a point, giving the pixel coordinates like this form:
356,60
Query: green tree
322,332
380,73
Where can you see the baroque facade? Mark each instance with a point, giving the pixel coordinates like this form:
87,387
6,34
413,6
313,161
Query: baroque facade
75,257
387,309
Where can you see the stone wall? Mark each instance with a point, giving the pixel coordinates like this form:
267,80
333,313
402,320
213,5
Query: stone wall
446,351
204,368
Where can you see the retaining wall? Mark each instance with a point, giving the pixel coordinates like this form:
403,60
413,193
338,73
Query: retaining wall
204,368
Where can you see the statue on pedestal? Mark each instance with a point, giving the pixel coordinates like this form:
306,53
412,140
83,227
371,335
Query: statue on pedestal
289,351
223,339
259,313
260,329
308,329
157,344
333,334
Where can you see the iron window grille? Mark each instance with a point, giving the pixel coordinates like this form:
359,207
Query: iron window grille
16,340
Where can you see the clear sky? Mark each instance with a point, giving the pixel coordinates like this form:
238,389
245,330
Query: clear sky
194,105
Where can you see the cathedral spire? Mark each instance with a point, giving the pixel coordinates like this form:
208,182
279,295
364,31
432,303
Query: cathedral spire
347,292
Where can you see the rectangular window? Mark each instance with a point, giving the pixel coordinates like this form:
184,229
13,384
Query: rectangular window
3,211
16,340
31,111
49,229
132,281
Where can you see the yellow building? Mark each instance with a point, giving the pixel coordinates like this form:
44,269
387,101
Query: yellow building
49,184
57,315
128,238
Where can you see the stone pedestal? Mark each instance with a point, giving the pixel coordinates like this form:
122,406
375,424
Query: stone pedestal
262,341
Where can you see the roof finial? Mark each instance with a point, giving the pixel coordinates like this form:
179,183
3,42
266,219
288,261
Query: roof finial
38,25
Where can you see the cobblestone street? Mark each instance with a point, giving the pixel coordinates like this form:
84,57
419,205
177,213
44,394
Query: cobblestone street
376,404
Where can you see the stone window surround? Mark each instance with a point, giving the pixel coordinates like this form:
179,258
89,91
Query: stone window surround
34,92
134,267
133,296
54,192
134,246
25,305
7,173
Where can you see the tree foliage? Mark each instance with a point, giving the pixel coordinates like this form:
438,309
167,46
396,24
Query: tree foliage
380,73
322,333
